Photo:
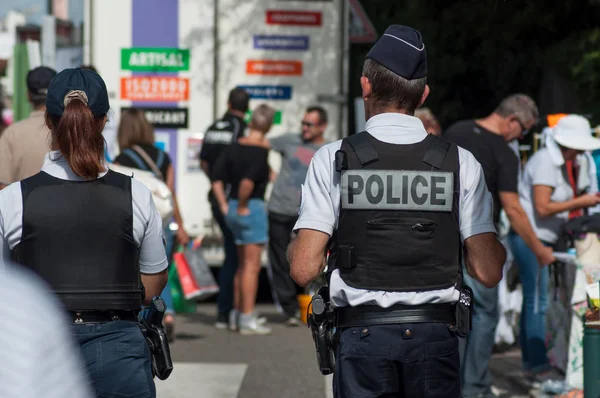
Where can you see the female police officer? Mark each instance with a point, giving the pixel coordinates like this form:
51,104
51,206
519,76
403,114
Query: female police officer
94,235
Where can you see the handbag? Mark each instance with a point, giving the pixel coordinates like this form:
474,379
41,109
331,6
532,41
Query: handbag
161,194
153,179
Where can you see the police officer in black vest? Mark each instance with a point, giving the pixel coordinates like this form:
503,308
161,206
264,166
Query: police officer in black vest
399,211
219,135
92,234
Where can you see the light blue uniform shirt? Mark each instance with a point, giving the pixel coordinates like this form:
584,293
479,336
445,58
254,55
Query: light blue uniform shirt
321,204
147,224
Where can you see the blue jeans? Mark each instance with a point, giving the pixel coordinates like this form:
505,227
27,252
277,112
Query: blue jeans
249,229
476,348
535,304
117,359
230,265
408,360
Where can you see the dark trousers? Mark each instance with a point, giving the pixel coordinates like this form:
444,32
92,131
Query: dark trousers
284,288
230,265
409,361
117,358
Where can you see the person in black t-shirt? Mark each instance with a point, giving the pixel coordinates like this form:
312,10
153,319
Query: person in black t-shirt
487,139
136,143
219,136
245,167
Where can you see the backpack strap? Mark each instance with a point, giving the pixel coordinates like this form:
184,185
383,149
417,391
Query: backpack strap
160,159
136,159
149,161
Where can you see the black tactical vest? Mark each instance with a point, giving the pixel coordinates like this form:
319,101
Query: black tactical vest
398,223
78,236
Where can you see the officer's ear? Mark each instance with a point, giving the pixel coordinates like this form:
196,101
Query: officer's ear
365,84
425,95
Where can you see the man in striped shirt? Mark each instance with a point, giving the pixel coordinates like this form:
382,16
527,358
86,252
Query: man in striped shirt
38,355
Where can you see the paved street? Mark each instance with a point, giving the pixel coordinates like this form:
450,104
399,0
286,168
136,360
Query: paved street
211,363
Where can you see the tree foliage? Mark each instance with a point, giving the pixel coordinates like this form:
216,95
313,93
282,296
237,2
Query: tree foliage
481,51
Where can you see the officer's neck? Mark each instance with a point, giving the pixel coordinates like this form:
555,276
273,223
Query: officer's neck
382,110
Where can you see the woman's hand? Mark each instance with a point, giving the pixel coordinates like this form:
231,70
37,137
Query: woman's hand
243,211
182,236
589,200
224,208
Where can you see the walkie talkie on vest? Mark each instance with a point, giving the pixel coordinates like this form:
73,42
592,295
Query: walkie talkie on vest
464,312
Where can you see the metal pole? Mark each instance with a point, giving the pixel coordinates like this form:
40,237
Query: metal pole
216,60
87,32
345,70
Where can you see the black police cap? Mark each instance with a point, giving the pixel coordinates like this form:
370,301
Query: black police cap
401,50
77,80
38,80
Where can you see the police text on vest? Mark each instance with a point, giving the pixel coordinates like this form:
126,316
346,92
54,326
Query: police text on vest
397,190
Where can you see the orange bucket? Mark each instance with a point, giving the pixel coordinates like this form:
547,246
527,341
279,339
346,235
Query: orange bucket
304,303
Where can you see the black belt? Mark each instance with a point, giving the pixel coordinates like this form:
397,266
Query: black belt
366,315
102,316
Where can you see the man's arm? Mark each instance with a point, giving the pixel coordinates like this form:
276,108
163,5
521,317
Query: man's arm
204,166
484,258
316,221
306,255
484,255
219,192
520,223
7,162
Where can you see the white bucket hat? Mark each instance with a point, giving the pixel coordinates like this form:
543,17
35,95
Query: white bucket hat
575,132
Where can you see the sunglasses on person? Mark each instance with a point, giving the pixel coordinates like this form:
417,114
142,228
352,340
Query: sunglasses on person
307,124
524,130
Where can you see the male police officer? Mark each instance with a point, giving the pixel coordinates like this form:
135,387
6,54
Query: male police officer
219,135
399,208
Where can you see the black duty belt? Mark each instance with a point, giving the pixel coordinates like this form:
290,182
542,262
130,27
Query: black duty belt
102,316
367,315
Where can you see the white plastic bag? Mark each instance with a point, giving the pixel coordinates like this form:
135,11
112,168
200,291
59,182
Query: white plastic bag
201,271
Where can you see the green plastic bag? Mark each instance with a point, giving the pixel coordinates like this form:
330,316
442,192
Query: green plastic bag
180,304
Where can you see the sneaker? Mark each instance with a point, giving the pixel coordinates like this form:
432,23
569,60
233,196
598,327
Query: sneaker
260,319
221,322
539,379
234,316
293,322
249,325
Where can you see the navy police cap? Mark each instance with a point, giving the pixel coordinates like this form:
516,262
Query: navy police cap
80,80
402,51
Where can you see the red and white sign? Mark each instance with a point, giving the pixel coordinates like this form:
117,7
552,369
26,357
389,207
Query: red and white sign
268,67
155,88
361,28
301,18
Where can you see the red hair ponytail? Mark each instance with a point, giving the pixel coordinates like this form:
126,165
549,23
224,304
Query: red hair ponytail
78,136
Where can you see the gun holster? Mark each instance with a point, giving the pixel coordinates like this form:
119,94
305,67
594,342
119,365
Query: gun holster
322,325
154,332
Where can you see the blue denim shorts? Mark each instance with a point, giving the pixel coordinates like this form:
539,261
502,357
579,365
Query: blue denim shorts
248,229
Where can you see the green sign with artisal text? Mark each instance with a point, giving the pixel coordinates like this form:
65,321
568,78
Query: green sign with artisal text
276,118
155,59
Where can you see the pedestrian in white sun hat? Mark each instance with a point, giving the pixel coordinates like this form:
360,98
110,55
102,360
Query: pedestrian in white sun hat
548,197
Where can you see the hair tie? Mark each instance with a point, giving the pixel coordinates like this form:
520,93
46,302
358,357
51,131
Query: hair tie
75,94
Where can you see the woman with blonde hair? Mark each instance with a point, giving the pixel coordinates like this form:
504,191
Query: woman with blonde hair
135,136
244,165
